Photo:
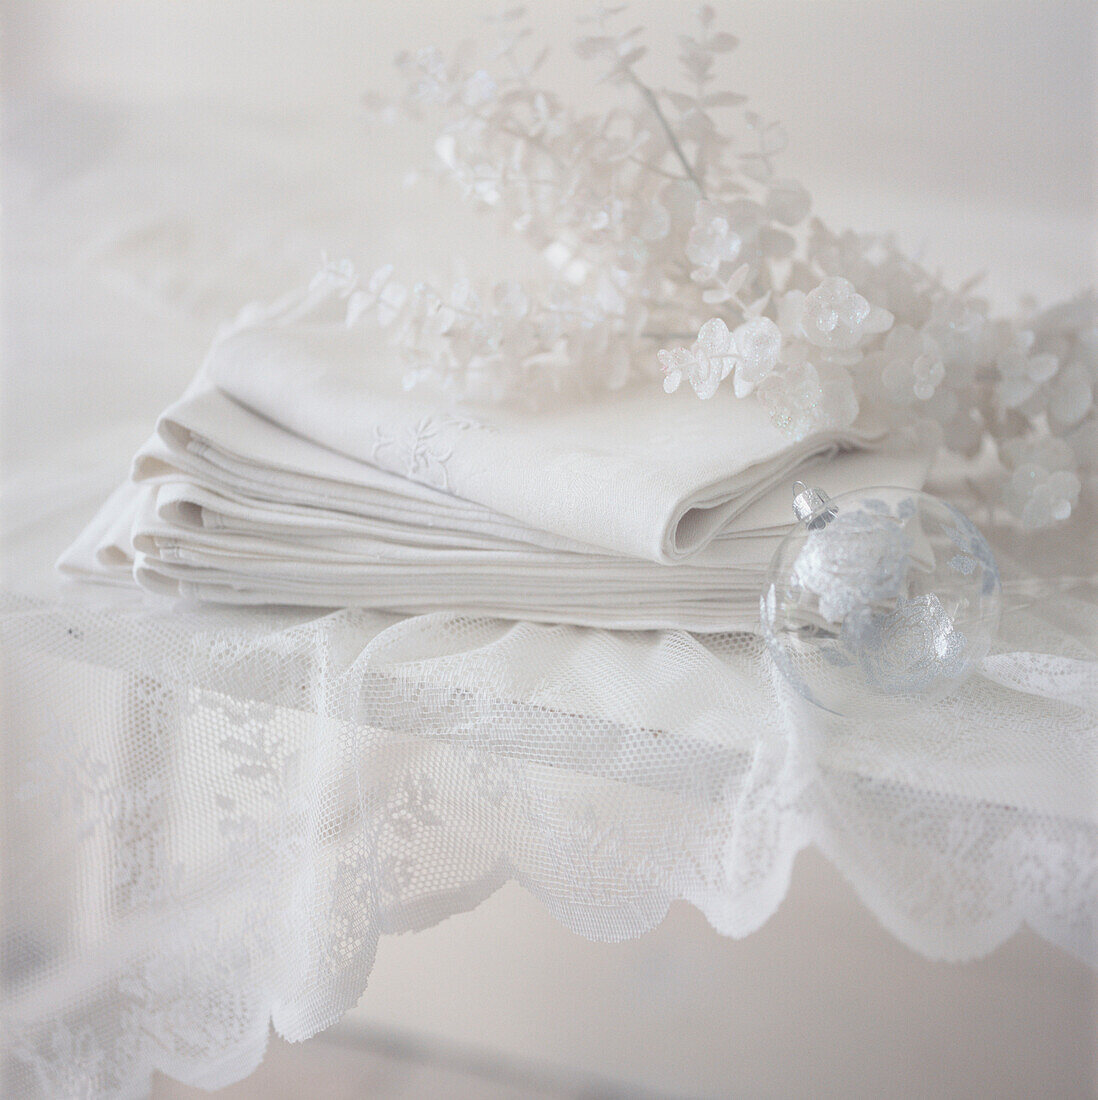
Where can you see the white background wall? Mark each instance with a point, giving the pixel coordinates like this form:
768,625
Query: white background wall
958,96
890,105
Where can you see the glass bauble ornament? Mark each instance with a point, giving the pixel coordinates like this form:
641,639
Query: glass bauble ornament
879,600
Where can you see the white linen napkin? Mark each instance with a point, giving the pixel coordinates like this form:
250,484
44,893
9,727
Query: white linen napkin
228,506
639,472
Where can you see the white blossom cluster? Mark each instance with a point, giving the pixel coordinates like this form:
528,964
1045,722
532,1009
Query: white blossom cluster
658,221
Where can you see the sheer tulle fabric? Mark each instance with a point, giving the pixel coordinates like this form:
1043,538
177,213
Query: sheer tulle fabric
223,811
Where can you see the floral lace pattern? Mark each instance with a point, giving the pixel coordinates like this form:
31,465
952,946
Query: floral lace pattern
230,808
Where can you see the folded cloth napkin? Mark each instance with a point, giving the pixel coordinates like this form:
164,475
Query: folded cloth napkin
228,503
638,473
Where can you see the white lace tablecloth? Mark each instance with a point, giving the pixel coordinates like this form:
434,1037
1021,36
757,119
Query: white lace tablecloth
216,815
212,816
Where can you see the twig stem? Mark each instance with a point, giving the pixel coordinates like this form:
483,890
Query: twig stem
657,110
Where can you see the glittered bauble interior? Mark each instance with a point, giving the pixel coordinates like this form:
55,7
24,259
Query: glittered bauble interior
890,599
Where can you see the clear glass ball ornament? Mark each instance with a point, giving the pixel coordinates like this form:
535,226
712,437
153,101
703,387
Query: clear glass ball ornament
879,600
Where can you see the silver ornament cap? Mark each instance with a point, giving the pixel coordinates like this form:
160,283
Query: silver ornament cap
812,507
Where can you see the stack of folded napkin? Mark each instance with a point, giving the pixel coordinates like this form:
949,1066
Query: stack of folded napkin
296,469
